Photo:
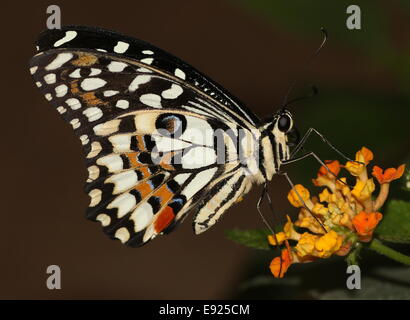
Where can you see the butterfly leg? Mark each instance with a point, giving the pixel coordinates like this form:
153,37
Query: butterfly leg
258,207
307,135
312,154
300,199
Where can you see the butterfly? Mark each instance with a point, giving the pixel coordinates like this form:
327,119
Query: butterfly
160,139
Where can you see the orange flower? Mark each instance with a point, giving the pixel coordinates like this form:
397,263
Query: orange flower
365,223
281,265
332,165
388,175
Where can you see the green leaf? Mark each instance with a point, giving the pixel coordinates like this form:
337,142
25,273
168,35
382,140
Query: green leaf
395,226
255,238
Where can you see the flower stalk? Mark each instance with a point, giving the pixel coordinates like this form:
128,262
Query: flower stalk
377,246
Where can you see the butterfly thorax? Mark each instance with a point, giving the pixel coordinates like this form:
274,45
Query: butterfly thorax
274,144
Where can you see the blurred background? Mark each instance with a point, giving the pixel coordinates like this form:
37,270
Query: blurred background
253,48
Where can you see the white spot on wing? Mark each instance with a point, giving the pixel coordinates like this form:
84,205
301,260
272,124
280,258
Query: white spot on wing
116,66
73,103
123,104
59,60
92,83
95,72
75,123
199,182
113,162
104,219
152,100
84,139
93,113
50,78
61,109
121,47
109,93
95,195
48,96
69,35
95,149
173,92
124,203
137,81
75,73
147,52
121,142
122,234
33,70
179,73
142,216
61,90
123,181
147,60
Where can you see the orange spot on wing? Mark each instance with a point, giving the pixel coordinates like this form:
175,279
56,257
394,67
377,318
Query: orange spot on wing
90,99
132,158
74,87
144,189
84,60
164,193
164,219
140,143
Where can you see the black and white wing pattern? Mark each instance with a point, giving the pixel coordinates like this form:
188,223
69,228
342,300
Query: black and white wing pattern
148,124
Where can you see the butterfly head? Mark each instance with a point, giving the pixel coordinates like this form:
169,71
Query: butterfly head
284,134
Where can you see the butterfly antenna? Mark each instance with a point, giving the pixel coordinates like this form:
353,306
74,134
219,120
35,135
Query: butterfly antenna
312,57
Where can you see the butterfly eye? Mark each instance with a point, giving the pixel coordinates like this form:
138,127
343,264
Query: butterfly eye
284,123
171,124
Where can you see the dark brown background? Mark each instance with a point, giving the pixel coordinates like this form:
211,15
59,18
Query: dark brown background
43,173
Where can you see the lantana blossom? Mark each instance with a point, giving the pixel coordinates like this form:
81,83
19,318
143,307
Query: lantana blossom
332,222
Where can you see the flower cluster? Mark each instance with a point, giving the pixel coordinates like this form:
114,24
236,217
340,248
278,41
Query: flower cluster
337,218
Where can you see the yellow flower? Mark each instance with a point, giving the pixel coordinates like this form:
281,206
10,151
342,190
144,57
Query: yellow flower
327,244
320,209
297,194
363,156
306,244
288,233
363,189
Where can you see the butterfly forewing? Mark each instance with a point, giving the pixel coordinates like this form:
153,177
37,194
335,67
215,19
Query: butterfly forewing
135,109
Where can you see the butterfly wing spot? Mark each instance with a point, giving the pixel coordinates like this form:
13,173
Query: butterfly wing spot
179,73
84,139
61,90
92,84
174,92
84,60
116,66
50,78
93,113
122,104
59,60
95,196
104,219
122,234
93,173
151,100
121,47
69,35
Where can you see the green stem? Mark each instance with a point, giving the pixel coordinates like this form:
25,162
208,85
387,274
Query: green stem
379,247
